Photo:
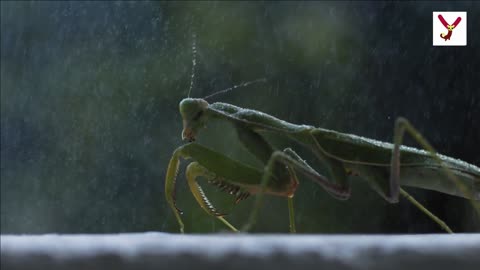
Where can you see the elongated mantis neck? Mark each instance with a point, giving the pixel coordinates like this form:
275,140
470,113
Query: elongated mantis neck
253,118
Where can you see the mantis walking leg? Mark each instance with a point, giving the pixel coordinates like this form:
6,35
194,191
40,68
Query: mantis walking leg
291,215
296,164
389,191
402,125
422,208
296,157
292,162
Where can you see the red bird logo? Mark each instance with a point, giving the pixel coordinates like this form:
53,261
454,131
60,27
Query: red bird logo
449,27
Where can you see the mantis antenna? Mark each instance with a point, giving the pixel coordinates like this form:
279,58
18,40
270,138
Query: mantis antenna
194,64
194,61
235,86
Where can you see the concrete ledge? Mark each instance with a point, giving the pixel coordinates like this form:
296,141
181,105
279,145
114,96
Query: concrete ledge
250,252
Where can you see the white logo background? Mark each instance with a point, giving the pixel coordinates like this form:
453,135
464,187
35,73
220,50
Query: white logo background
459,33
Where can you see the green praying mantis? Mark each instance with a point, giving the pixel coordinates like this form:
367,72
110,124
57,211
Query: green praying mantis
385,166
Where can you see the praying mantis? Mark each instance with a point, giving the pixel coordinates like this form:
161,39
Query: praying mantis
385,166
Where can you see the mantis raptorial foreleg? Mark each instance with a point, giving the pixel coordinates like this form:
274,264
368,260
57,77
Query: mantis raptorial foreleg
193,171
170,181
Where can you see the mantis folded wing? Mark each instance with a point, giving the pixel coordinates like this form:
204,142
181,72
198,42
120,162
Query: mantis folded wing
384,166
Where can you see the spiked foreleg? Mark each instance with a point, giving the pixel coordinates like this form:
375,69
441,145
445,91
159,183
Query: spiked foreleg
170,180
195,170
208,164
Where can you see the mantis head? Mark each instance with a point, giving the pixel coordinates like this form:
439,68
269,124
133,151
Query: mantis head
193,111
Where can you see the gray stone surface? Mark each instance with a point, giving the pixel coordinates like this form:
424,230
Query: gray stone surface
228,251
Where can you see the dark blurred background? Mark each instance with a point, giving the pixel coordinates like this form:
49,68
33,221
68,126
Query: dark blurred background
90,93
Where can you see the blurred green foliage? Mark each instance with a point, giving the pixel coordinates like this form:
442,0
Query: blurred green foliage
90,93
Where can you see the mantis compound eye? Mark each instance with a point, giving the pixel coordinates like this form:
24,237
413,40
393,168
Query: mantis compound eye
197,116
